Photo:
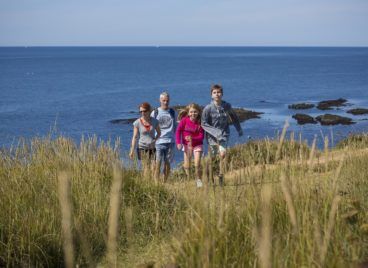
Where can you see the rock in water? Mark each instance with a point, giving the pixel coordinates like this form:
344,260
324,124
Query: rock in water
304,119
358,111
301,106
123,121
327,104
332,119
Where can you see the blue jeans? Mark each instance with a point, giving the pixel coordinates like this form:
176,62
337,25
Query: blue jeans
164,152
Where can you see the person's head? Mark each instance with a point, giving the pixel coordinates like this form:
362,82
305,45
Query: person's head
145,109
194,111
216,92
164,100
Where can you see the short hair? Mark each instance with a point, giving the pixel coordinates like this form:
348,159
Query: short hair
164,94
217,87
145,105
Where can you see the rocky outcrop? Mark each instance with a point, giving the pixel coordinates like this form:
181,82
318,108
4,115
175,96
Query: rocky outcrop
332,119
242,114
123,121
303,119
358,111
301,106
328,104
245,115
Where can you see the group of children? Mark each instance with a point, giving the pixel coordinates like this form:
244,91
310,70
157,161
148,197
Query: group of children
157,132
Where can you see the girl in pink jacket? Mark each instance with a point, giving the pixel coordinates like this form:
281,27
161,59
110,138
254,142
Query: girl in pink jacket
189,138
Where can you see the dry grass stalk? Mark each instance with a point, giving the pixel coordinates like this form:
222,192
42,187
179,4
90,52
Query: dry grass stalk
265,241
129,224
66,218
330,226
278,152
113,228
311,154
337,174
289,202
326,153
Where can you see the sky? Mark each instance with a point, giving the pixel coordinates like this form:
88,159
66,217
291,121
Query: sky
184,23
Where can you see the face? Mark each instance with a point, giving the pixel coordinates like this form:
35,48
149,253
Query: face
193,113
164,101
143,112
216,94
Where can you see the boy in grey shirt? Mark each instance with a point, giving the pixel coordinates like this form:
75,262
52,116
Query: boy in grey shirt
216,118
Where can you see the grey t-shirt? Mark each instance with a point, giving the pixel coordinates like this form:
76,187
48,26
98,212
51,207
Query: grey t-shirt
167,126
146,136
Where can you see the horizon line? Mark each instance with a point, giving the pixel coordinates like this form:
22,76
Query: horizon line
163,46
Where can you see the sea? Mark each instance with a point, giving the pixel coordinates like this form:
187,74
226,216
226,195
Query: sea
79,91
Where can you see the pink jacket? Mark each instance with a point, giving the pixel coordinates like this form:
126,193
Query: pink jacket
188,128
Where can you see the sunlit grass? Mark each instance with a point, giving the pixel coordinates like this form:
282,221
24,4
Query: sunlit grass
285,205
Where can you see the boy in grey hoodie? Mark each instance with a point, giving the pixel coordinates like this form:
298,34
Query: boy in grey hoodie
216,119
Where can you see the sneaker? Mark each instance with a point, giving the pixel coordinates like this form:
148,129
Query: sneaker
199,183
221,180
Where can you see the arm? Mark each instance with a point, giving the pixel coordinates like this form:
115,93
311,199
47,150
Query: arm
134,141
235,120
178,134
158,132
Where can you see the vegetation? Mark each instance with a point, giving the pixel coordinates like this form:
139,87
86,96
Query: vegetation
284,205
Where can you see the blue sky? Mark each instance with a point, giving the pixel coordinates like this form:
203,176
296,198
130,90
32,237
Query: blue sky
190,22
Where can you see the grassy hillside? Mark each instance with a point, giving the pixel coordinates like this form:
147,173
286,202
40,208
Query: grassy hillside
284,205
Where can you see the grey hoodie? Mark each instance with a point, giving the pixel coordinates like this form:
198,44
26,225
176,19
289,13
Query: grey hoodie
216,121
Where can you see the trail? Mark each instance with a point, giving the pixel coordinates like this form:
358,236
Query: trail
159,251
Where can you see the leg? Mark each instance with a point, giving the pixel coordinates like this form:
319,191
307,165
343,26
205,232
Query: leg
168,156
222,155
157,170
186,164
166,170
159,157
197,164
212,151
145,163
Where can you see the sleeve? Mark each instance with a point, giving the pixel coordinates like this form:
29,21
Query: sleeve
206,118
136,123
179,131
234,118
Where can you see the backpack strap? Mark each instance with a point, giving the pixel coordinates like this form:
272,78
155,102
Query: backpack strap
171,112
155,113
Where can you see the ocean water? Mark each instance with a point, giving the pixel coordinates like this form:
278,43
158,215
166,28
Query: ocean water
79,90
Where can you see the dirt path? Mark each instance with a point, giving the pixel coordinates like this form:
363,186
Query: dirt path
318,159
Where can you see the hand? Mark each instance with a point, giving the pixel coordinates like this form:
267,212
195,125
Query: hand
240,133
131,154
188,138
179,146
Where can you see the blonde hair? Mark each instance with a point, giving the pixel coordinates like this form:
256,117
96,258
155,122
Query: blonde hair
185,111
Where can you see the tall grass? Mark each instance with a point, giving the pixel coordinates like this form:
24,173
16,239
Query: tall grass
289,206
30,215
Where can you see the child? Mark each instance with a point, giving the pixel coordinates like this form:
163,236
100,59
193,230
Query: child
215,121
189,137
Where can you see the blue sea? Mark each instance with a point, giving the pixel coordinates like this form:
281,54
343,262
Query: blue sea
79,90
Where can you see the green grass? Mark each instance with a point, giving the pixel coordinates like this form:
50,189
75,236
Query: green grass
292,207
30,225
